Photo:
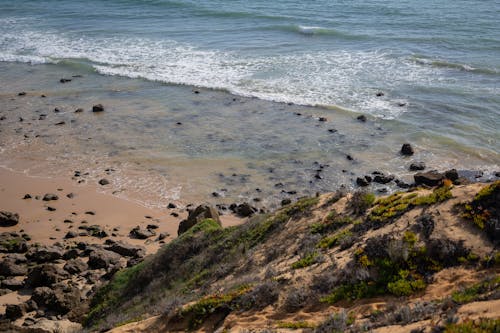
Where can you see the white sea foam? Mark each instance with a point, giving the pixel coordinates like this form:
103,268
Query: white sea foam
347,79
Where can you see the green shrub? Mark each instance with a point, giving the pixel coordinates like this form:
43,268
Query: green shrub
331,241
308,260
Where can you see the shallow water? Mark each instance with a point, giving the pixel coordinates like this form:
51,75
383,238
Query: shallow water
166,143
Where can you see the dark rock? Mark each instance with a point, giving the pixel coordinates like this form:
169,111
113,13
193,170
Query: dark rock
379,94
407,149
140,233
128,250
50,196
44,254
383,179
162,236
18,258
70,234
12,284
98,108
152,226
451,174
429,178
27,196
75,266
285,202
14,311
215,194
349,157
12,243
362,181
90,212
426,224
70,254
57,110
22,93
78,110
8,219
361,118
244,210
94,230
63,80
50,209
8,267
103,182
60,123
171,206
100,258
45,275
59,299
70,195
174,214
322,119
197,215
417,166
402,184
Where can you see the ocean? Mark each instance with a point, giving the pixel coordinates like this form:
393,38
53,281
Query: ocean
426,72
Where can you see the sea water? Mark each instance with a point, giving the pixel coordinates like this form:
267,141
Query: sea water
426,72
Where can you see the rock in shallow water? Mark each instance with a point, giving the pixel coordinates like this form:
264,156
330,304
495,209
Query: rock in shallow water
407,149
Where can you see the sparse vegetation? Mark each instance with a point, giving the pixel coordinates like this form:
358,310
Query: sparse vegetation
484,211
308,260
336,239
475,292
199,311
361,201
332,222
295,325
483,325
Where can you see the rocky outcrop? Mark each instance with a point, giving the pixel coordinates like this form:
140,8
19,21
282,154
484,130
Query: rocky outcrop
197,215
429,178
127,250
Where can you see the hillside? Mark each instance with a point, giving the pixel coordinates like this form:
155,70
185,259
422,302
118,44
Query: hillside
419,260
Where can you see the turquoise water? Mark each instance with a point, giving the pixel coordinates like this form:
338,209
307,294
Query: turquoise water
436,63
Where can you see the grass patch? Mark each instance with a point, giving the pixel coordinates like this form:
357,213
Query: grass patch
395,205
199,311
308,260
361,202
332,222
482,325
475,292
331,241
483,210
295,325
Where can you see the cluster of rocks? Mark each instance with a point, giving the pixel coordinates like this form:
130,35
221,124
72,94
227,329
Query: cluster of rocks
60,279
427,178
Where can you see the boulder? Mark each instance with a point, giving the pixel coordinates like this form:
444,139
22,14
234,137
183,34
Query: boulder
12,243
100,258
45,275
417,166
59,299
383,179
127,250
8,267
244,210
14,311
197,215
361,181
50,197
44,254
98,108
140,233
451,174
429,178
12,284
407,149
75,266
8,219
55,326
